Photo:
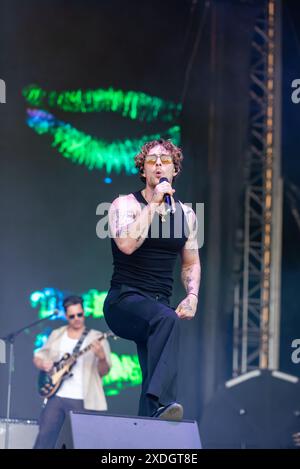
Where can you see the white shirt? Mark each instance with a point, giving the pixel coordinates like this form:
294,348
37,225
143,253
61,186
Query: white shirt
72,387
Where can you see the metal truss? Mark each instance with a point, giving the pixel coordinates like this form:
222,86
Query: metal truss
257,291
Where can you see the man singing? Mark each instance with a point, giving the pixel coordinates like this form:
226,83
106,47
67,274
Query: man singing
147,234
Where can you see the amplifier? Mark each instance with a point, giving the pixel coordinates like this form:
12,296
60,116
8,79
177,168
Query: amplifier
21,433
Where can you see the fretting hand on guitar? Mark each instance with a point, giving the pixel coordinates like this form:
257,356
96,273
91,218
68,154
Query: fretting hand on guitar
97,348
71,365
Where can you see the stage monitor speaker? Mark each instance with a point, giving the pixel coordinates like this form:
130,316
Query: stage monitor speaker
259,409
84,430
21,433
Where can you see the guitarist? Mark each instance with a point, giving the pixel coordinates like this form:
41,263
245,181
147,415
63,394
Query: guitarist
83,390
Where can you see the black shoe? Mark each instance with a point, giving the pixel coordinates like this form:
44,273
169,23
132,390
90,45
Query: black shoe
173,411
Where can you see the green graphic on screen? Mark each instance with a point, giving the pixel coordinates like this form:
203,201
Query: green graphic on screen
93,152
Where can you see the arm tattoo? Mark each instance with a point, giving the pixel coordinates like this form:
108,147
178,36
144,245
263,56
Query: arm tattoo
187,305
190,278
122,220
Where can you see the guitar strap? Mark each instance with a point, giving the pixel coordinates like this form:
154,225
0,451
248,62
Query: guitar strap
81,339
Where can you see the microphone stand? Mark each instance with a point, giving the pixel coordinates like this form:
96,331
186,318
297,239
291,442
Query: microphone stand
10,339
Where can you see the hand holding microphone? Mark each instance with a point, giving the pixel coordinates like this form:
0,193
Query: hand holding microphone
167,196
162,193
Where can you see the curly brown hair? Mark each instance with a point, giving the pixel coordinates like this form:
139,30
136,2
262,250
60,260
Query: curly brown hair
175,151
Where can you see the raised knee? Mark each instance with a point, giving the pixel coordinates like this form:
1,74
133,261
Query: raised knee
171,318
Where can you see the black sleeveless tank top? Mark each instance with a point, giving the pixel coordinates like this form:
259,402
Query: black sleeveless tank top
150,267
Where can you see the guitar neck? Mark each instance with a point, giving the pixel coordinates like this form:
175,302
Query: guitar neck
88,347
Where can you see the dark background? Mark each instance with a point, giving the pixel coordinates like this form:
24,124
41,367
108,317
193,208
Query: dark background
48,204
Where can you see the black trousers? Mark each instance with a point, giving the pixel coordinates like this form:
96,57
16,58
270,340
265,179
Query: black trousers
52,419
154,326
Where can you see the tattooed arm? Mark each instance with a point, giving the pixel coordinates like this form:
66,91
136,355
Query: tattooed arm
190,270
129,223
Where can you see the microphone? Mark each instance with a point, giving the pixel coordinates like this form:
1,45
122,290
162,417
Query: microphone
167,198
55,312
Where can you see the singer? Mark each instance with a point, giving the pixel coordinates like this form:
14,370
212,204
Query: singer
137,306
